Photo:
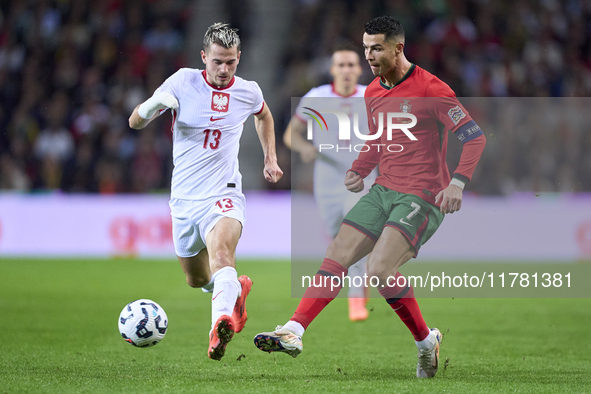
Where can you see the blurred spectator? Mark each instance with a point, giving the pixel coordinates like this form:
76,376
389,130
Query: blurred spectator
55,141
13,177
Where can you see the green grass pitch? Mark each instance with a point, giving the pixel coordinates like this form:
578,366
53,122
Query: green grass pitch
59,334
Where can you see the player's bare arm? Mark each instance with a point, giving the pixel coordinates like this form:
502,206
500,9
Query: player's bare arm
296,142
354,182
150,109
265,127
137,122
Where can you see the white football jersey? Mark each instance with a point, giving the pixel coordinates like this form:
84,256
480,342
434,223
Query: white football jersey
207,127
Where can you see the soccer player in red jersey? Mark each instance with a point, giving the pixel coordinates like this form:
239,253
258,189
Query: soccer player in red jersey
410,198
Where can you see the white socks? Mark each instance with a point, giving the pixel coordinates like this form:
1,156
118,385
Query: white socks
208,288
295,327
427,343
357,270
226,289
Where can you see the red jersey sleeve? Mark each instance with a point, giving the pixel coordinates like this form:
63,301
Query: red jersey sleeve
447,109
444,106
471,152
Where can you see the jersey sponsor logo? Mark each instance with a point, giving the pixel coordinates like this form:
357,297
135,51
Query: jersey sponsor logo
456,114
212,119
220,101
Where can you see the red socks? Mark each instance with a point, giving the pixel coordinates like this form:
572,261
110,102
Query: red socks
402,300
322,291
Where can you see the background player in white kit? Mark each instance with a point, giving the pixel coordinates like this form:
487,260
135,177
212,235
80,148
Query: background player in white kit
207,206
331,195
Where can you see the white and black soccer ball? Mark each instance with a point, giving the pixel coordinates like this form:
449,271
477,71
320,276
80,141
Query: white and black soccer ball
143,323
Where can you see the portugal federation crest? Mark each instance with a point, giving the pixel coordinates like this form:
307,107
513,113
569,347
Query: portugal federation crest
405,106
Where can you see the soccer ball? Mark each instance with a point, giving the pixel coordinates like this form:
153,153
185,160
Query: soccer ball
143,323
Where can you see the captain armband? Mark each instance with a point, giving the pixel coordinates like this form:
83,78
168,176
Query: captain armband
468,131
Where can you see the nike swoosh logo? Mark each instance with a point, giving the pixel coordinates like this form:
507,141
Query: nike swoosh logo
217,295
227,210
212,119
405,222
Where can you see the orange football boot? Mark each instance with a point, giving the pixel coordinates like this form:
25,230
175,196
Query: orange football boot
239,315
222,333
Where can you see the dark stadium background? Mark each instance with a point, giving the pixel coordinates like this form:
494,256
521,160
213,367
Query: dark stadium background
72,71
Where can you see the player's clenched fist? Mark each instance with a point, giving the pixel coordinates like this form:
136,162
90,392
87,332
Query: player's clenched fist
451,199
272,172
354,182
160,100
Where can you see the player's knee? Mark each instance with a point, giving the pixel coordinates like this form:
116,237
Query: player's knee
377,272
197,281
380,269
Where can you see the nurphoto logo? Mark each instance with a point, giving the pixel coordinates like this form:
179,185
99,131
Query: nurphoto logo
402,121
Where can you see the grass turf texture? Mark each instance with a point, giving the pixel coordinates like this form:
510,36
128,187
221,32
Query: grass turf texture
59,333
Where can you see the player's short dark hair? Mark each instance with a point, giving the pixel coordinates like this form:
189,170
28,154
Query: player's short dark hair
221,34
386,25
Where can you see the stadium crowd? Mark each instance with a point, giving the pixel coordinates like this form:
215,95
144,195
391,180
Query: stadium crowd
71,72
70,75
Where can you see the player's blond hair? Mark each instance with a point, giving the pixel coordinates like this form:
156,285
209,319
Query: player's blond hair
221,34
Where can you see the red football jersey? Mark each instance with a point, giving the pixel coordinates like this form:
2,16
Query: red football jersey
412,166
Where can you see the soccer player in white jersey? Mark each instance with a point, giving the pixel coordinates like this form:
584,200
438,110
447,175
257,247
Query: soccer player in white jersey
331,195
207,206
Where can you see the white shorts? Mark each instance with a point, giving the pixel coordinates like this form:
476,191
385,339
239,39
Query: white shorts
192,220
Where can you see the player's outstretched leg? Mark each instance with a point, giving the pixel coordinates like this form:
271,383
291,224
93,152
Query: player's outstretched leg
226,290
288,338
239,315
429,354
280,340
402,300
220,335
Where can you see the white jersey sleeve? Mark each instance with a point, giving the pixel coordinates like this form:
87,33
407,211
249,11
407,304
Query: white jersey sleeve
257,98
174,83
